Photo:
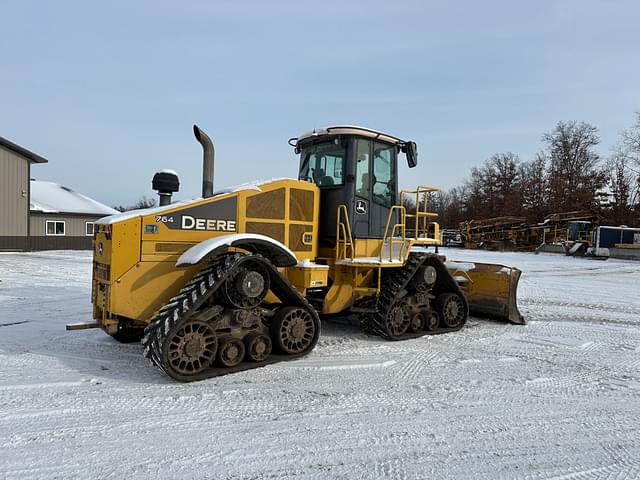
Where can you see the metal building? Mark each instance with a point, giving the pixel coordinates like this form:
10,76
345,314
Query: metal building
15,172
36,215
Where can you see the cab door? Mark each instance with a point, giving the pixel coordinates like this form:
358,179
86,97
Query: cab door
383,187
375,187
360,209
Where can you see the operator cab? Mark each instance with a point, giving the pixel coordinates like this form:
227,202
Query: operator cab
356,167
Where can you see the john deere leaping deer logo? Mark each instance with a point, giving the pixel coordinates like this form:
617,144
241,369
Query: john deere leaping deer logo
361,207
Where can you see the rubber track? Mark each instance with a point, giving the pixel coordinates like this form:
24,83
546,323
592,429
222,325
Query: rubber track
393,282
196,292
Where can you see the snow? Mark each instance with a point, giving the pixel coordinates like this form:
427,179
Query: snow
119,217
368,261
460,266
129,214
306,263
49,197
558,398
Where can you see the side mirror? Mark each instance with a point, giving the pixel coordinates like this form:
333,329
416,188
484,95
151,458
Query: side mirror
411,151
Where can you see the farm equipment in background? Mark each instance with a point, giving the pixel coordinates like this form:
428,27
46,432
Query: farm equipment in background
451,238
569,231
239,278
578,237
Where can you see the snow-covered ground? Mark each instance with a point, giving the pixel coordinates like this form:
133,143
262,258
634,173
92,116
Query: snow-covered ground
558,398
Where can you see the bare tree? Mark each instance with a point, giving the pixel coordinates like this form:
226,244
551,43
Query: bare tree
574,173
494,188
631,148
505,176
631,142
453,207
476,196
142,202
621,185
535,187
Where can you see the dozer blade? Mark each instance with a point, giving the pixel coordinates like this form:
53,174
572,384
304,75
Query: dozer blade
490,289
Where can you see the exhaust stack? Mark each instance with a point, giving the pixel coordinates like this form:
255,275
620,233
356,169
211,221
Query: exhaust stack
208,153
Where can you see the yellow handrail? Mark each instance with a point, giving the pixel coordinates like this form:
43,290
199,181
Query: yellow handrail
344,228
422,215
391,236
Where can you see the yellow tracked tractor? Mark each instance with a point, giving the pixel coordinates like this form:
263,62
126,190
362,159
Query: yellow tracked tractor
240,277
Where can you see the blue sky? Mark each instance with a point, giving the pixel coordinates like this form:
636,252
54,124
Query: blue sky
108,91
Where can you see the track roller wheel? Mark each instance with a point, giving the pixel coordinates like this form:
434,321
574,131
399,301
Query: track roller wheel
230,352
450,308
417,322
258,347
247,286
432,321
424,278
398,320
190,348
293,329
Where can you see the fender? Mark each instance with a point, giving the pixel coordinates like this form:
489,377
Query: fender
272,249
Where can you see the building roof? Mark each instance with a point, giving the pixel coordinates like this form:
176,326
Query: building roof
49,197
22,151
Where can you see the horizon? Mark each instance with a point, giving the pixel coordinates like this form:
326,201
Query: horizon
108,93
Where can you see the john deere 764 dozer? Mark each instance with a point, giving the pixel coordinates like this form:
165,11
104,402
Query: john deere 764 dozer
239,278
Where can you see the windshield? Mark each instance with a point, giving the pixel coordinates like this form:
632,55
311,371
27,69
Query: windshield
323,164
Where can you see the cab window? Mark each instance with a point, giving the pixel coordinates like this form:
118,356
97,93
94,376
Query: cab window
323,164
383,175
363,181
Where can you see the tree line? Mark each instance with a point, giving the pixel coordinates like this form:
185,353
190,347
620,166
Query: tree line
142,202
566,175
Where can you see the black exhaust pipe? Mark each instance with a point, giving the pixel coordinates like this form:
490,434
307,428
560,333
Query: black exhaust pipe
208,153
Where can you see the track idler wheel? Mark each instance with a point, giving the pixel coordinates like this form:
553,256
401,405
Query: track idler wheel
258,347
230,352
294,330
190,348
417,322
432,321
398,320
451,309
247,286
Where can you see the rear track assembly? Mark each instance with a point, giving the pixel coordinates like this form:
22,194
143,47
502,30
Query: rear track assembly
219,324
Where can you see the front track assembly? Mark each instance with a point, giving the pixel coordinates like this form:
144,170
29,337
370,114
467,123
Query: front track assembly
219,323
421,298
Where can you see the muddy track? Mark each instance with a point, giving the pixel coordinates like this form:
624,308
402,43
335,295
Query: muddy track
394,282
178,311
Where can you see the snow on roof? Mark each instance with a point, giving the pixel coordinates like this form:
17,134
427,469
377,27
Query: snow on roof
119,217
50,197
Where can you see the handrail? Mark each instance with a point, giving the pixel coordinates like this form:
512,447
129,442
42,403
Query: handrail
421,199
394,233
345,228
402,225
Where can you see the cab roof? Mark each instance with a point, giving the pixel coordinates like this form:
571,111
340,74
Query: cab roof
349,130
